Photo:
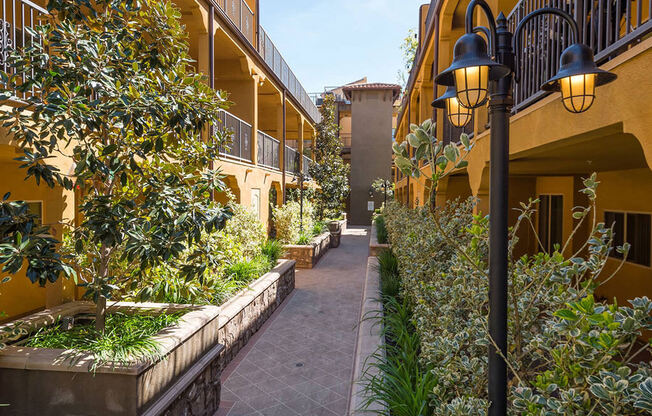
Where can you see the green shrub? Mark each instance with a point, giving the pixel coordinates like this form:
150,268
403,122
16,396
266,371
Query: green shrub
570,354
304,239
247,230
248,270
390,282
287,218
273,250
381,230
126,337
394,377
319,227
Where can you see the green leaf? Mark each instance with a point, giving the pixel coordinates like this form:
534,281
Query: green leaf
566,314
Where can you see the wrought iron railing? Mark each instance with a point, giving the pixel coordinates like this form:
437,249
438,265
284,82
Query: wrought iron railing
291,160
274,59
15,17
241,131
607,26
268,151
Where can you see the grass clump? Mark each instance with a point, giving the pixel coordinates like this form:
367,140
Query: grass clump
390,282
273,250
127,338
381,230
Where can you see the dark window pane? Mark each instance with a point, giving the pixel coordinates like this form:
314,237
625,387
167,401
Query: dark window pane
617,221
638,235
544,216
556,220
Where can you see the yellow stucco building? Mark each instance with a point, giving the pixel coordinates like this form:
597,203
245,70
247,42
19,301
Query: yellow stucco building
272,118
551,149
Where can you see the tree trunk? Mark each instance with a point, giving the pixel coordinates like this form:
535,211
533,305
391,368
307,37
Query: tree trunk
100,314
100,310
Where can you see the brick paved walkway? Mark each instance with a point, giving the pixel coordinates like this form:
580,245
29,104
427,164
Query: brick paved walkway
301,361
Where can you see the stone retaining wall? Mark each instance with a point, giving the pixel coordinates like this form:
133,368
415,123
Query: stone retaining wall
306,257
241,317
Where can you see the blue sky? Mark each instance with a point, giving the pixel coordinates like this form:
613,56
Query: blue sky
332,42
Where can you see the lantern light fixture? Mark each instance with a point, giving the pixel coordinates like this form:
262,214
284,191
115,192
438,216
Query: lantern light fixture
458,115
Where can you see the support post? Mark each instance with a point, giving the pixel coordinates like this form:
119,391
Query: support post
500,105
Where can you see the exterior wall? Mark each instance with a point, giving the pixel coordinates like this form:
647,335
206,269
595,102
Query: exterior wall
371,152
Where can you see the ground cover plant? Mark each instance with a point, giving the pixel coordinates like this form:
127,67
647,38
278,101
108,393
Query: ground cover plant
381,229
394,376
126,336
570,352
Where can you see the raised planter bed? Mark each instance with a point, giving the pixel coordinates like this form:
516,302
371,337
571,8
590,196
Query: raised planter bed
306,257
40,381
242,316
374,246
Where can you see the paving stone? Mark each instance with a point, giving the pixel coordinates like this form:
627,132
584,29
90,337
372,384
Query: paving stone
302,360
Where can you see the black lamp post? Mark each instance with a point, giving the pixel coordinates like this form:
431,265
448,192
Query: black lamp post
478,77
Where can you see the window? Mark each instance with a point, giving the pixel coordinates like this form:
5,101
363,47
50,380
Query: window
551,220
36,208
634,229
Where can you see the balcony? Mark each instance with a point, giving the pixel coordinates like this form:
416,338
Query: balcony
241,132
16,16
241,15
274,59
268,151
609,27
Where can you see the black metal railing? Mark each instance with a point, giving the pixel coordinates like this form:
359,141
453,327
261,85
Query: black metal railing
240,145
608,26
15,17
291,160
268,151
274,59
306,165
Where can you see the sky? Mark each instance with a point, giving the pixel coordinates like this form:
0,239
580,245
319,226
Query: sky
334,42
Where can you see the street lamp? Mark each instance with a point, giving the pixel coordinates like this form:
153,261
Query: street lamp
477,77
458,115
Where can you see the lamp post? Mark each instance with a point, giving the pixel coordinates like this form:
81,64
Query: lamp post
478,77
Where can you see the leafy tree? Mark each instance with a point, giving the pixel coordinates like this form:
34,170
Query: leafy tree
329,170
408,51
117,96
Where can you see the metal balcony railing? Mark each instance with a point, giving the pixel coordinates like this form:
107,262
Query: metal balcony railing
291,160
15,17
268,151
274,59
241,15
608,26
306,165
240,146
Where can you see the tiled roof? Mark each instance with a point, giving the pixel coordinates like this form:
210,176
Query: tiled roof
371,86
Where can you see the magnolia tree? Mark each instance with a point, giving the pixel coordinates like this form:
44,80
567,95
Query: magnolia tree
118,97
329,170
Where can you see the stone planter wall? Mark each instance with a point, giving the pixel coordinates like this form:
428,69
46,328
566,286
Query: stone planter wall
370,339
307,256
40,381
242,316
374,247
